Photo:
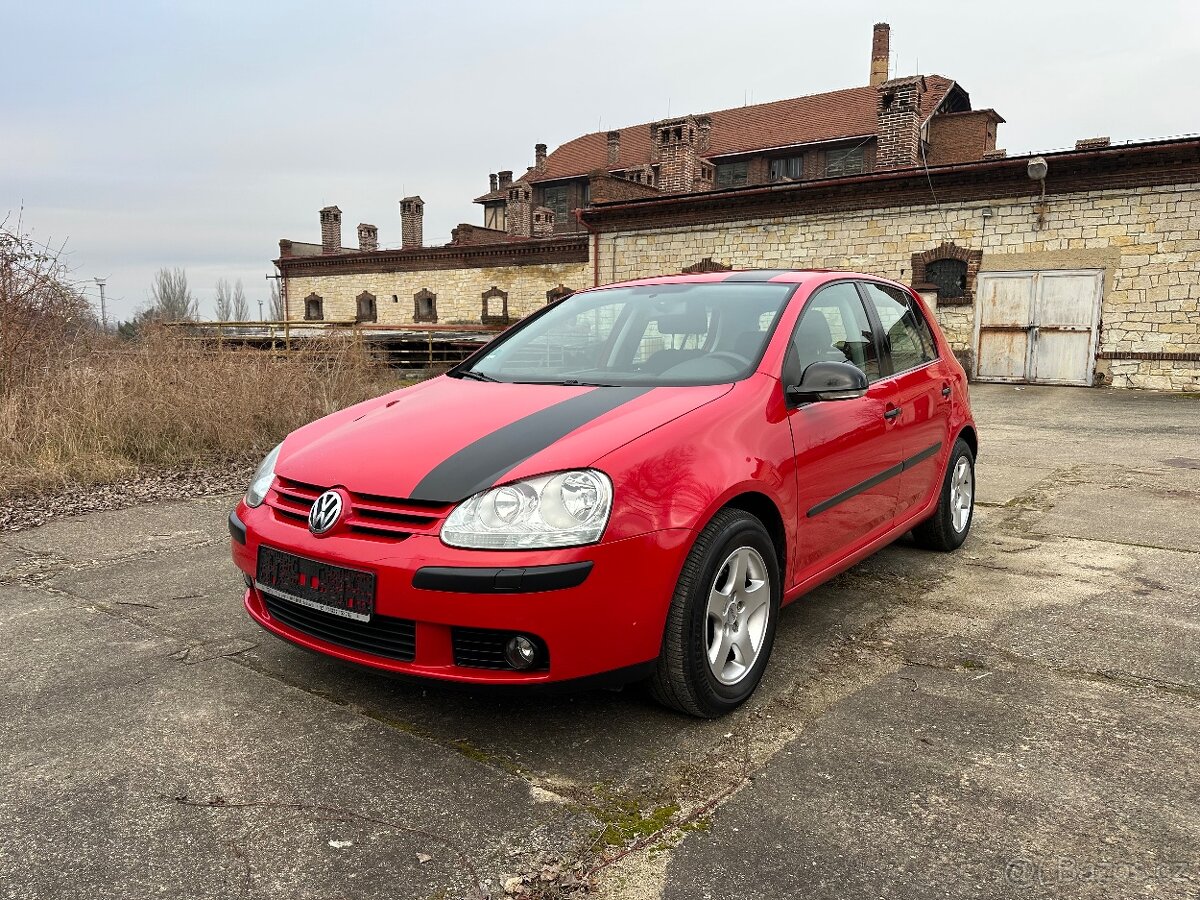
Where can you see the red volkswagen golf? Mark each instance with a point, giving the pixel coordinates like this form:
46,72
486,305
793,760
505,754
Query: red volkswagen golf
627,485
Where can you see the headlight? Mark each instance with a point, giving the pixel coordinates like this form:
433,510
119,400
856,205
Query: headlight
261,483
561,510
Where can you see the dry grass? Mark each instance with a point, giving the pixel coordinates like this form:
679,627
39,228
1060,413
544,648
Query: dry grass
163,403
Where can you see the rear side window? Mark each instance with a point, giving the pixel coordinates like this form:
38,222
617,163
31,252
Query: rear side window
834,328
904,328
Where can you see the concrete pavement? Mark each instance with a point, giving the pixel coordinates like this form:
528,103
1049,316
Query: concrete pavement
1018,718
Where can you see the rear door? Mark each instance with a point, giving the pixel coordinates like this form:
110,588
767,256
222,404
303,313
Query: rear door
846,454
922,391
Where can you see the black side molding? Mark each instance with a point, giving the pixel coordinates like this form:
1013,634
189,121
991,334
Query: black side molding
880,478
529,580
237,530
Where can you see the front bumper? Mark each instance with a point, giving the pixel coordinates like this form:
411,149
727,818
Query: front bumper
592,620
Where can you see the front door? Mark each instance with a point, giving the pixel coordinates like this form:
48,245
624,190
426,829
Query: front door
846,450
1037,326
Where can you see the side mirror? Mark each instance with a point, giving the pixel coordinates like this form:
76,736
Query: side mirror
828,381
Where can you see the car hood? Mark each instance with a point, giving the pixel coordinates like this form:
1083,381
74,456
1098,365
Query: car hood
448,438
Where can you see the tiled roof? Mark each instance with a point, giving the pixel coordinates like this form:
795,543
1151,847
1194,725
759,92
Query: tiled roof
847,113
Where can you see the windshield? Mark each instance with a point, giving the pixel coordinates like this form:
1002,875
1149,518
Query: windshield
661,334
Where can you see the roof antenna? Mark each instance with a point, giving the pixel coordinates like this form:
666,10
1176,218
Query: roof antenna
668,107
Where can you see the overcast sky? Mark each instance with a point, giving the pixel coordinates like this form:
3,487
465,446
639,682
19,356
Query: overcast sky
197,134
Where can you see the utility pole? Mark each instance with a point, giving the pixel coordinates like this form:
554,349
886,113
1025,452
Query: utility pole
103,308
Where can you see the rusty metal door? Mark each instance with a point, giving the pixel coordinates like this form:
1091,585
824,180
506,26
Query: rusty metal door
1037,326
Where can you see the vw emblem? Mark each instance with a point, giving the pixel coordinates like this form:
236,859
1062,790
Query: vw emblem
325,512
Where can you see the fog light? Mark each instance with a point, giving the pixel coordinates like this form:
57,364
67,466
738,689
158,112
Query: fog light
520,652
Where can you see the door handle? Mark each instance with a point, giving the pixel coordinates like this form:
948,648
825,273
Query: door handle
891,413
946,391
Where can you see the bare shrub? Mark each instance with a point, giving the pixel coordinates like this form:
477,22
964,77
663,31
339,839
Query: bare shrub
166,402
44,316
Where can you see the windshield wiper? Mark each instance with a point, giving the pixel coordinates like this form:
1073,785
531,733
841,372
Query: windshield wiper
476,376
570,382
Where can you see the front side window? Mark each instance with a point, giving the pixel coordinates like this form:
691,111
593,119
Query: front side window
834,328
662,334
905,330
732,174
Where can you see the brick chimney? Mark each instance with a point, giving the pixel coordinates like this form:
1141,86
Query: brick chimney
412,223
492,183
614,148
539,158
368,237
675,150
881,42
898,123
504,179
703,133
518,209
543,222
331,230
1096,143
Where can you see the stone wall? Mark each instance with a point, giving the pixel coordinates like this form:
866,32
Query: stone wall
1147,241
459,291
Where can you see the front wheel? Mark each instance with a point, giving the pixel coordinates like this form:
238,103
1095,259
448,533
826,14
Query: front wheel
947,528
721,624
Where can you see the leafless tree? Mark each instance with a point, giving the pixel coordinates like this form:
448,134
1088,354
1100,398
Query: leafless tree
276,302
43,313
170,297
224,301
241,308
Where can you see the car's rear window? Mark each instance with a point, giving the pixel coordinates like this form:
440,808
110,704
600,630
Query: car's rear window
662,334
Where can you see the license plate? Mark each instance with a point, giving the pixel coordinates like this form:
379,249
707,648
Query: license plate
333,589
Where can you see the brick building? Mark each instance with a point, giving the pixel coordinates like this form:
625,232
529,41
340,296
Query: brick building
1090,272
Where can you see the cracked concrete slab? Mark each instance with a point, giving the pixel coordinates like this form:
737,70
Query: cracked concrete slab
112,738
953,784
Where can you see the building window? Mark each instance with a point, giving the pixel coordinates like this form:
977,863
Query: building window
495,307
494,216
425,306
557,198
949,270
791,167
732,174
949,276
366,308
844,162
313,308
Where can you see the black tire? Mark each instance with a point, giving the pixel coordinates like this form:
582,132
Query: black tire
683,679
938,531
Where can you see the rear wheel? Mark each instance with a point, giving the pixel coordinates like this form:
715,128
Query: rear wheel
947,528
721,624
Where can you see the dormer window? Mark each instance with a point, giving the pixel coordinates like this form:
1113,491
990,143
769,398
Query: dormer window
844,162
789,167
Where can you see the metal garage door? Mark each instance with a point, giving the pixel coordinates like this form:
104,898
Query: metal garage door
1037,326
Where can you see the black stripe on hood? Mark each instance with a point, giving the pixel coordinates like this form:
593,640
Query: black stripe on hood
481,464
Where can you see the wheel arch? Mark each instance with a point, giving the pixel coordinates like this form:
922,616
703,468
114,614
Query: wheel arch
764,509
971,439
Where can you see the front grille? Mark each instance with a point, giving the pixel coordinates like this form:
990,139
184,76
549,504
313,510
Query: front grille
382,636
483,648
367,514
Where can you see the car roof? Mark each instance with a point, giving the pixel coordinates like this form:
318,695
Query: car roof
775,276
